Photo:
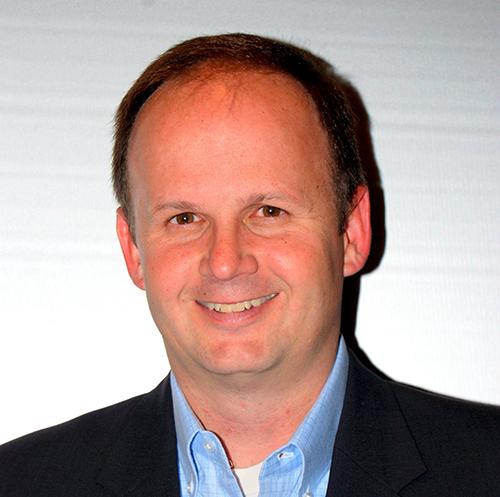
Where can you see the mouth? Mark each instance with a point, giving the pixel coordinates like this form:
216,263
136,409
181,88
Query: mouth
242,306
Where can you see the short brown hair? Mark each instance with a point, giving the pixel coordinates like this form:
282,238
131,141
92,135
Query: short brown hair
246,51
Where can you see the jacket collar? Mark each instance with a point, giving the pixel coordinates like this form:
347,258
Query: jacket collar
374,452
143,459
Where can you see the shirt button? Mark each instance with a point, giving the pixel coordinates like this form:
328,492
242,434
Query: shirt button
209,446
308,494
189,487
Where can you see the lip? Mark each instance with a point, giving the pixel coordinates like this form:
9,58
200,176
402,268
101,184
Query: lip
237,319
237,306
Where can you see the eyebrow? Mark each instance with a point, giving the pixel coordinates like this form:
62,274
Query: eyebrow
177,205
270,196
185,206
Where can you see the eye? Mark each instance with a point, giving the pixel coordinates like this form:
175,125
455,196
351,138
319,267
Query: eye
271,211
184,218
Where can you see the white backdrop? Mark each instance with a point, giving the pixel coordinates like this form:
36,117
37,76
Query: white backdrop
75,334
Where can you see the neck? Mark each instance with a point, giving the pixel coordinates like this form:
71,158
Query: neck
253,415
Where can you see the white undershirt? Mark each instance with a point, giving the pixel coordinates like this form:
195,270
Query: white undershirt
248,479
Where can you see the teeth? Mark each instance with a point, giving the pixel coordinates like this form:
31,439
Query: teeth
237,306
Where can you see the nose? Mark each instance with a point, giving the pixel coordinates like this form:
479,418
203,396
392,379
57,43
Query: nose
229,254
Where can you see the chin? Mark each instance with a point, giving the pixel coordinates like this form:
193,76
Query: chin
242,363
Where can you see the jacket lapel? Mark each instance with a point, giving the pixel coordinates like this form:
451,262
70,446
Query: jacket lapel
374,454
351,480
143,460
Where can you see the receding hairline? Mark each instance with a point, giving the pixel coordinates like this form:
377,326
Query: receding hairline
232,74
228,71
233,80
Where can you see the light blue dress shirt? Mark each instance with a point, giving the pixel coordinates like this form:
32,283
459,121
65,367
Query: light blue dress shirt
299,468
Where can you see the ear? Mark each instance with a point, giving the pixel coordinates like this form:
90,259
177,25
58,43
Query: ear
129,249
358,233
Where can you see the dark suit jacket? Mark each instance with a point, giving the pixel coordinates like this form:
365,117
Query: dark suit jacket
392,440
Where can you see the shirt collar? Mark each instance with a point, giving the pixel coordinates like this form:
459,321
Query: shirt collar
315,436
186,428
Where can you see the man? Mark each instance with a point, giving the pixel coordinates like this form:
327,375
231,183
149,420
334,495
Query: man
243,205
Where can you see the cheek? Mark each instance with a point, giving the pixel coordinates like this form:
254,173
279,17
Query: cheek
167,269
308,259
312,269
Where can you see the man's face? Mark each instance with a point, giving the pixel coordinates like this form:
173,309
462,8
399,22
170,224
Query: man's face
236,234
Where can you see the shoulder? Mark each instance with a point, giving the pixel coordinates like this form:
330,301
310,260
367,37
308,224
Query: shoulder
415,442
426,412
449,424
458,441
453,444
83,431
71,452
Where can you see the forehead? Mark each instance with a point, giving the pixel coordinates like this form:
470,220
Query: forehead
229,92
253,122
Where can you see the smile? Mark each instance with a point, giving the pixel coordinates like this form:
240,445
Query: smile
237,306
